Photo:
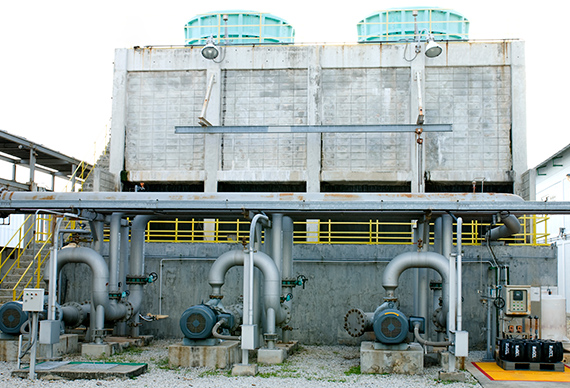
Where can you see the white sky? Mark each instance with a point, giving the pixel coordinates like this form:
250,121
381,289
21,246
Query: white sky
56,57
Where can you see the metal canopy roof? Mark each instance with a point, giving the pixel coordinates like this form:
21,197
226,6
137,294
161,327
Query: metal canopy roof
16,150
296,205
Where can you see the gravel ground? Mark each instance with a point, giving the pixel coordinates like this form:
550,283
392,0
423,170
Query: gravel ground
311,366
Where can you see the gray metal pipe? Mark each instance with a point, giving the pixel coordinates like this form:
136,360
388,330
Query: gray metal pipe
408,260
277,239
271,278
136,265
287,269
511,225
114,251
100,280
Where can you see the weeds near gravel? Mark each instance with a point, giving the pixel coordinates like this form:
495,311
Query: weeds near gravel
354,370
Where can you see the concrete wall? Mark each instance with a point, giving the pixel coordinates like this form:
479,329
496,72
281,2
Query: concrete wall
476,87
340,278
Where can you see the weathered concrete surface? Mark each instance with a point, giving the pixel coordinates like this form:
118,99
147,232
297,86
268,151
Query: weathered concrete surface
244,370
221,356
408,362
68,344
271,356
113,345
85,370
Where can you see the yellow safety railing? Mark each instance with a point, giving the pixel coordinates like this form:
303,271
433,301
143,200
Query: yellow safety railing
371,232
33,238
39,260
21,235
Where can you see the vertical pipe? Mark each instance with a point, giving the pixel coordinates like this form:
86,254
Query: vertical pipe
100,324
114,252
34,345
447,247
459,274
418,232
271,327
123,269
287,269
423,279
136,264
277,239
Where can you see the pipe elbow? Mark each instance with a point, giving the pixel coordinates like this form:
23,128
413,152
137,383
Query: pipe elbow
511,226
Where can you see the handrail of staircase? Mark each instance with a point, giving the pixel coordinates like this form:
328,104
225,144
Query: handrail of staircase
38,271
17,261
19,244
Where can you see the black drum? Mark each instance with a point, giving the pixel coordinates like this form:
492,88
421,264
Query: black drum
552,351
533,351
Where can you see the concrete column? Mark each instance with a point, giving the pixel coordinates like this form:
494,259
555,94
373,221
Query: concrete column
212,143
119,117
314,107
314,140
518,106
416,66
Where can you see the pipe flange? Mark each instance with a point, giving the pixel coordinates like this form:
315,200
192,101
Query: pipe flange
287,319
81,316
130,311
115,295
270,336
354,322
220,297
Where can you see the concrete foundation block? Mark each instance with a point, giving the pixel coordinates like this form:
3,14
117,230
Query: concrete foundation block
68,344
221,356
444,361
451,376
8,350
99,350
408,362
244,370
271,356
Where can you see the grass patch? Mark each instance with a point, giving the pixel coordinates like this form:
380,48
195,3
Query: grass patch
354,370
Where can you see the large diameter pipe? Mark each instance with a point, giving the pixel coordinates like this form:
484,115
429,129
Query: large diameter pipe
511,226
100,279
408,260
136,265
287,269
271,278
459,274
114,251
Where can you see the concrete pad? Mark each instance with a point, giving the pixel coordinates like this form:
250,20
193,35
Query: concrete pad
409,362
221,356
99,350
83,370
244,370
271,356
444,361
68,344
451,376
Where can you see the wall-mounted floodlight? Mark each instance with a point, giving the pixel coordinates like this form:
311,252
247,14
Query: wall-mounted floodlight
210,50
432,49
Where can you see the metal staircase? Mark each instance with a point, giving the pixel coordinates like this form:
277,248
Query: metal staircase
23,265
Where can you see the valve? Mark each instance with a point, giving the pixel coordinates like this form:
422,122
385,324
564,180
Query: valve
301,280
286,298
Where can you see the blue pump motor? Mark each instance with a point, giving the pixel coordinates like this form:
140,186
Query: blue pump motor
390,326
12,317
198,321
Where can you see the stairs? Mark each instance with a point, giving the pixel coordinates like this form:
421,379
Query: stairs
6,288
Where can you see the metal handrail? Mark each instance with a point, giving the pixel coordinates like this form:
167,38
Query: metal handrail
18,245
330,232
37,272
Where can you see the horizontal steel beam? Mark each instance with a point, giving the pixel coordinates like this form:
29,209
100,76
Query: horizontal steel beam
299,205
390,128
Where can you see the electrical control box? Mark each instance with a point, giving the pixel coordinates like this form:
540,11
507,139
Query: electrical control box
518,300
33,299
